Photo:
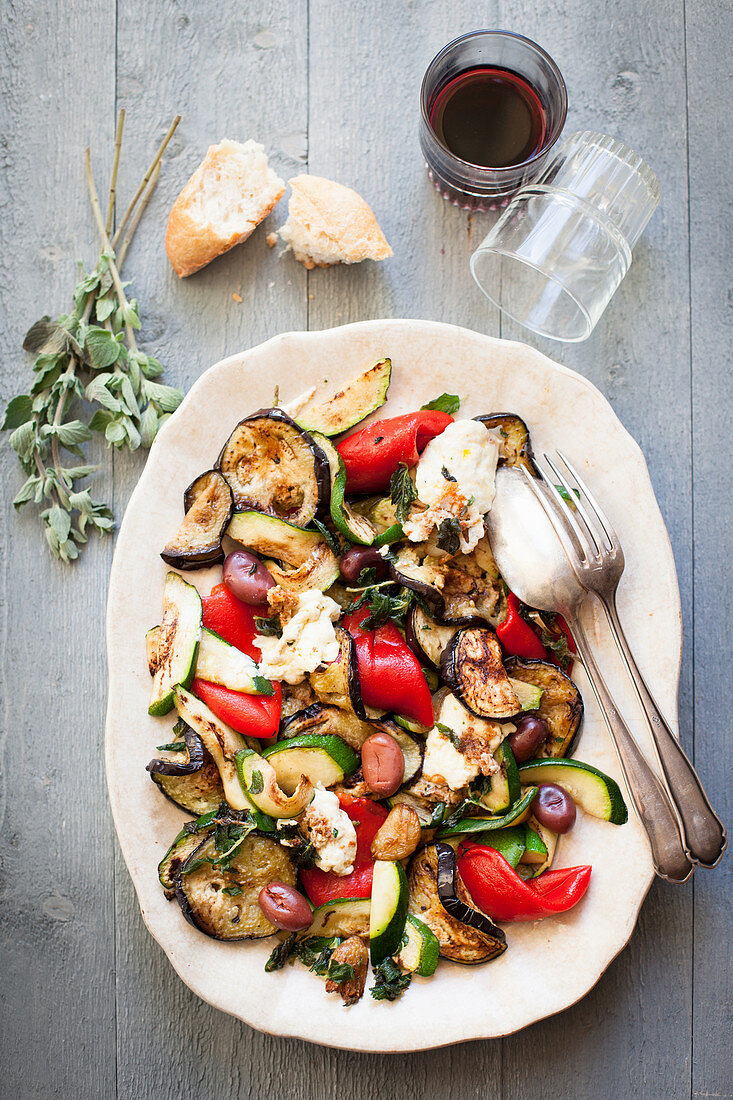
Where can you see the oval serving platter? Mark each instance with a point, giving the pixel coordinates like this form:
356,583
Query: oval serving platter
532,979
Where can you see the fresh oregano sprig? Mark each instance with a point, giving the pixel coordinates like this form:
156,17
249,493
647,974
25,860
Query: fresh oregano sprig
88,357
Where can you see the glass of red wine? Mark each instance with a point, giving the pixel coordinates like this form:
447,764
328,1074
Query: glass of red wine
493,104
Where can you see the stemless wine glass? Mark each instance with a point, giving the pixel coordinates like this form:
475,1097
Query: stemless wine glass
557,254
473,186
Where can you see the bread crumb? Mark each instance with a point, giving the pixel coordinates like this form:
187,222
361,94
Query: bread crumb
271,239
237,297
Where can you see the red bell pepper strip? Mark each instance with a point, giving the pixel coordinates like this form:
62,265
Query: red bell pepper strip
234,621
322,886
498,891
252,715
517,636
373,454
390,675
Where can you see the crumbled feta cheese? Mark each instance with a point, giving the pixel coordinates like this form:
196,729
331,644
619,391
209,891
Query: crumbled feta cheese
457,758
331,831
455,478
307,641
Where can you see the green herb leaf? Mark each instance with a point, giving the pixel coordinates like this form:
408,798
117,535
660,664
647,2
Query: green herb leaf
281,953
447,403
232,891
19,411
263,685
101,349
450,734
449,535
447,474
256,785
340,972
390,982
566,495
402,492
172,746
268,628
329,536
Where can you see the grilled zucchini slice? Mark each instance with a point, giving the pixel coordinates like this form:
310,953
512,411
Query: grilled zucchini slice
219,740
357,400
593,790
323,719
223,903
473,669
208,503
274,466
323,759
352,525
175,647
341,917
560,707
218,662
313,563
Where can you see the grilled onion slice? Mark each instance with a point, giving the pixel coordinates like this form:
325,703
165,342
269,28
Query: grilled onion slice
275,467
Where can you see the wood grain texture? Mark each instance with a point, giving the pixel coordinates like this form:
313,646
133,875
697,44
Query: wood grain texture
711,230
333,88
57,1011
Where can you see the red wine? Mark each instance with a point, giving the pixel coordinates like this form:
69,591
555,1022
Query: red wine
489,116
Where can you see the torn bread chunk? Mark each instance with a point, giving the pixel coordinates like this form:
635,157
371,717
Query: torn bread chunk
224,201
330,224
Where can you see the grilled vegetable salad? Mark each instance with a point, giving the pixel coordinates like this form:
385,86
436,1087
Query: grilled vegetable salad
372,734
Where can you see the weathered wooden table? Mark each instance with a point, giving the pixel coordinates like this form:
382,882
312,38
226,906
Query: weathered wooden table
90,1006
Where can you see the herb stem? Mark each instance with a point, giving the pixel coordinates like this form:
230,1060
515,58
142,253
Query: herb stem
108,249
115,166
155,162
138,214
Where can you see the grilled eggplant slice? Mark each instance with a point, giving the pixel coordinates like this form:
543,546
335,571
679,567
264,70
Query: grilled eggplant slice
414,568
314,564
176,645
324,719
184,762
472,668
426,637
200,792
348,407
275,467
516,443
223,903
352,525
561,705
471,940
209,504
186,842
338,683
473,593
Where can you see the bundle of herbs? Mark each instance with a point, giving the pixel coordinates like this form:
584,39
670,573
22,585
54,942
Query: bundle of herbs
90,377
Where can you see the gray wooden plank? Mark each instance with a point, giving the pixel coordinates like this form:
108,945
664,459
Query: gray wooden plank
711,228
57,1008
636,1023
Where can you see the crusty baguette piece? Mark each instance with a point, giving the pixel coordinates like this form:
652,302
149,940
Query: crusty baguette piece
226,198
330,224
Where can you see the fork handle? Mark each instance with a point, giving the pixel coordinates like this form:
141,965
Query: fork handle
649,797
704,831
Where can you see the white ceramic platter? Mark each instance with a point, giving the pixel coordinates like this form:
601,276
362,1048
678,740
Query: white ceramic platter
549,964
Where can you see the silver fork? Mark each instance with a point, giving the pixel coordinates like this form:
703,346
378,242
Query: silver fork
595,554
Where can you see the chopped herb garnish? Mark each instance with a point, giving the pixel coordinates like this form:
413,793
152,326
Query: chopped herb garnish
251,572
256,785
340,972
447,403
368,576
447,474
449,536
232,891
263,685
332,539
268,628
174,746
402,492
449,733
315,952
302,851
390,982
378,438
281,953
383,605
335,833
566,495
